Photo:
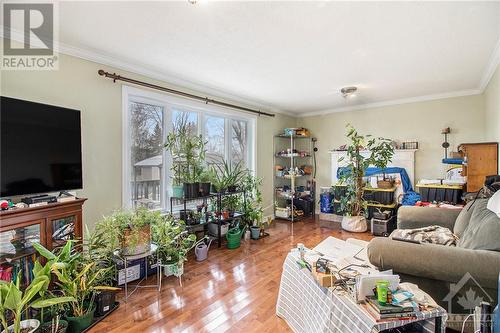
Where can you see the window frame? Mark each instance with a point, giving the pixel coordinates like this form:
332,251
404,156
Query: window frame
168,103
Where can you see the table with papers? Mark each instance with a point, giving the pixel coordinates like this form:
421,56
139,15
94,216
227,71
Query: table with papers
308,307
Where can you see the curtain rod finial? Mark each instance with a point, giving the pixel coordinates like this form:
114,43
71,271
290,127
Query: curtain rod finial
101,72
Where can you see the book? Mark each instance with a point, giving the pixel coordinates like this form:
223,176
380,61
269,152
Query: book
389,308
390,316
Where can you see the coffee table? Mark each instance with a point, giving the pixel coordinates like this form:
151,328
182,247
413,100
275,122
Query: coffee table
307,307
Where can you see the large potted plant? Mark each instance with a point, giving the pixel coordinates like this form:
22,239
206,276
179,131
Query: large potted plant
362,152
129,231
228,176
75,278
16,301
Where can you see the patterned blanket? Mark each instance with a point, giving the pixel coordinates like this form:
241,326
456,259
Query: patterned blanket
432,234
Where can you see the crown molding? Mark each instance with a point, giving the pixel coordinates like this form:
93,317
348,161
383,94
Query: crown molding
176,82
490,69
409,100
147,71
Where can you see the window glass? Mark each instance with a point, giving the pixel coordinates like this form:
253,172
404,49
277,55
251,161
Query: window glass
215,137
239,142
146,152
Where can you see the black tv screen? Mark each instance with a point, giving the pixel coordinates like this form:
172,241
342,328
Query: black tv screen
41,148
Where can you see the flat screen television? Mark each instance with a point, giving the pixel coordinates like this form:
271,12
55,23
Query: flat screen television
40,148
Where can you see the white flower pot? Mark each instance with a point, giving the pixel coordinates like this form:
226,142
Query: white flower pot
354,223
176,269
32,324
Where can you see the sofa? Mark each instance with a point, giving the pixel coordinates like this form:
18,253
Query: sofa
455,276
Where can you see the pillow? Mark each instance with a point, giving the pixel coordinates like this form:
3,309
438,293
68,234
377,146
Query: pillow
494,203
483,231
462,221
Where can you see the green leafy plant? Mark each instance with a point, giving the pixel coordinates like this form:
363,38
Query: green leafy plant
362,152
188,151
76,278
173,240
227,174
252,207
113,229
13,299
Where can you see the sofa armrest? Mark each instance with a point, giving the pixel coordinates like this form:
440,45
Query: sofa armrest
411,217
436,262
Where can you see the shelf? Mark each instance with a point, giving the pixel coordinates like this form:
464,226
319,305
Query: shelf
18,255
295,219
293,156
373,204
290,177
229,219
192,199
292,136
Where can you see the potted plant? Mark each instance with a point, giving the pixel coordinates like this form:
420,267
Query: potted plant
174,242
98,250
229,174
230,203
56,325
205,185
76,279
17,301
188,155
361,152
129,231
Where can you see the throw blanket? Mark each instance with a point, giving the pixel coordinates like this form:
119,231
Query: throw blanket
433,234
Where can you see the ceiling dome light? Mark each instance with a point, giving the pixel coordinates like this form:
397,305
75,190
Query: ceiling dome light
348,91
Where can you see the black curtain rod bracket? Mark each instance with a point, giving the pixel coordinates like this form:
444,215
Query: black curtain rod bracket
206,100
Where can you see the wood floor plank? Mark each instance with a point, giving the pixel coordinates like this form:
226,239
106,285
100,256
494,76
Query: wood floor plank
232,291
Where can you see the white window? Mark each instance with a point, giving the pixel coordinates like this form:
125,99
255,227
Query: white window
148,117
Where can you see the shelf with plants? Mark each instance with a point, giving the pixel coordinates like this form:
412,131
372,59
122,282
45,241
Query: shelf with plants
293,175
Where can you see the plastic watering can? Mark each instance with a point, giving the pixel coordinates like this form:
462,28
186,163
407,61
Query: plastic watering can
201,250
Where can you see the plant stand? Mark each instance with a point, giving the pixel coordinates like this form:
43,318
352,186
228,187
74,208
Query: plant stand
153,250
219,220
178,274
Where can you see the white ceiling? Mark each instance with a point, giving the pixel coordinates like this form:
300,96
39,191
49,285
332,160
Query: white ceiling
295,56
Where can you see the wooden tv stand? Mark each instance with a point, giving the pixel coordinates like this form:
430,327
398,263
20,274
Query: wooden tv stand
51,224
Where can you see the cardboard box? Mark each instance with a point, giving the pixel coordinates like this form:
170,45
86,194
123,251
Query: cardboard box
324,280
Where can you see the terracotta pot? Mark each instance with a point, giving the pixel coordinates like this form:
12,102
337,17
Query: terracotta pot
131,245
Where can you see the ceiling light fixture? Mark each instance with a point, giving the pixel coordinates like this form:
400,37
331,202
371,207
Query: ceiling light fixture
348,91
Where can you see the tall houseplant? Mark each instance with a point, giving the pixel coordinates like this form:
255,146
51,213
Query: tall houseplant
362,151
188,155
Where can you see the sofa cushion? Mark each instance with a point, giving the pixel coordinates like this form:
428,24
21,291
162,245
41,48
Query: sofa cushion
483,231
462,221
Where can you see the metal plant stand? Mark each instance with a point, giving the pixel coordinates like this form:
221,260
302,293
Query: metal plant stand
153,250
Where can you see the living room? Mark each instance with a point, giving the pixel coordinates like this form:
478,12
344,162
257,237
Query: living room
250,166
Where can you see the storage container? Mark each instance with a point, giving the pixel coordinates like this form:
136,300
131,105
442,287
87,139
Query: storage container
379,195
441,193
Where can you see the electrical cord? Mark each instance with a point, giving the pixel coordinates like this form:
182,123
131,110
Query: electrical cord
465,320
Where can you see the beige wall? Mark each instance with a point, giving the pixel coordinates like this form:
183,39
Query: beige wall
422,121
77,85
492,108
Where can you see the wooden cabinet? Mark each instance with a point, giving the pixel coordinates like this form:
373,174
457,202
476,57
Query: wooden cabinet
480,160
51,225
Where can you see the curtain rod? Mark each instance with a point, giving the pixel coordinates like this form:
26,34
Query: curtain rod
207,100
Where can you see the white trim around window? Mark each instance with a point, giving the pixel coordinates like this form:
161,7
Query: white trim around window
168,102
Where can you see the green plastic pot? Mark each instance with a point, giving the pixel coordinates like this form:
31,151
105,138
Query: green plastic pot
78,324
233,237
178,191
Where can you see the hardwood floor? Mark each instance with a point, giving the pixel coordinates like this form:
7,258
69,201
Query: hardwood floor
232,291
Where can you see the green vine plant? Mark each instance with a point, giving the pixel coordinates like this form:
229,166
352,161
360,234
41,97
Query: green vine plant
188,151
362,151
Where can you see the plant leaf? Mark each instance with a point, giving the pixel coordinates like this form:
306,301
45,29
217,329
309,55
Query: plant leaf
43,303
